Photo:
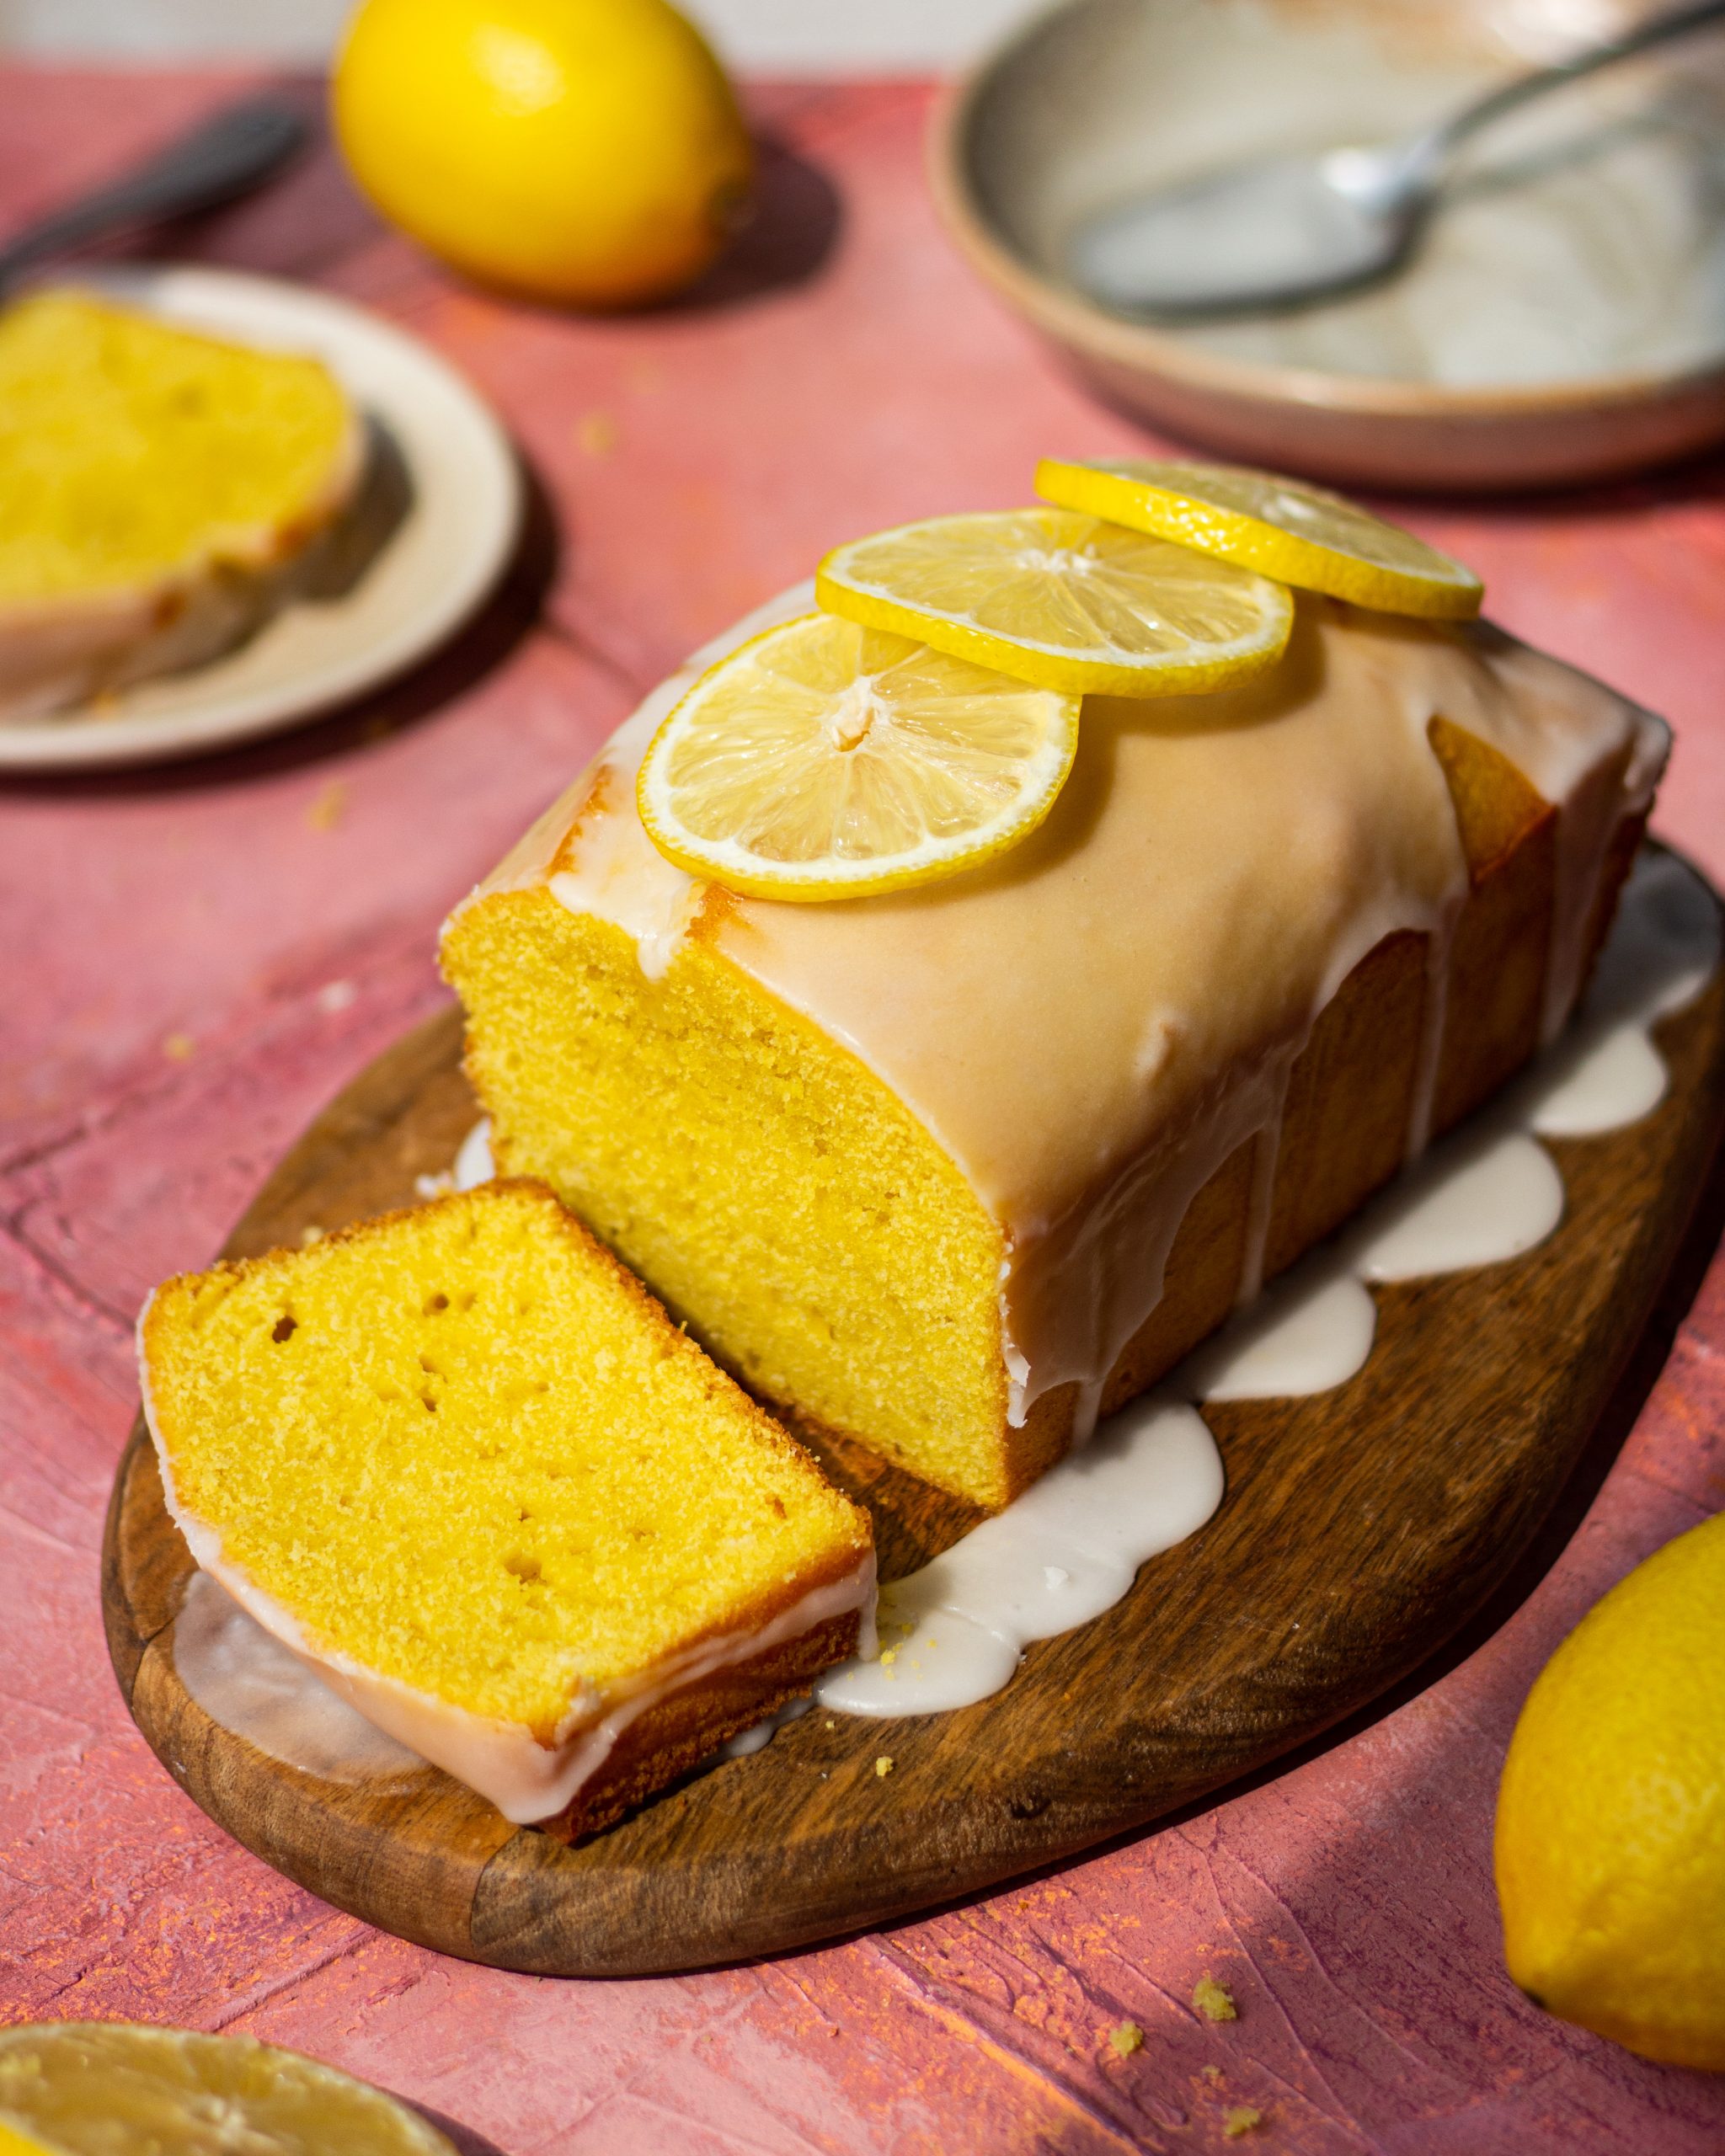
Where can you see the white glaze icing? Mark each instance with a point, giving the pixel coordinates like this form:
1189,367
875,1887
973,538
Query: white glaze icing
474,1164
248,1683
1059,1555
1175,919
957,1629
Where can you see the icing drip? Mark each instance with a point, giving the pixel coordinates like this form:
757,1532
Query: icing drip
474,1164
1433,1015
1266,1151
250,1684
957,1629
1059,1556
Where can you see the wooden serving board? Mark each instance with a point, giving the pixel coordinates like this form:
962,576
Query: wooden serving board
1362,1528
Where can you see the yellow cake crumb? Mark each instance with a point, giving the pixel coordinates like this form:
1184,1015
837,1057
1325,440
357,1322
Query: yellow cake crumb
1126,2038
461,1447
326,811
883,1766
132,449
1241,2118
611,1088
1214,2001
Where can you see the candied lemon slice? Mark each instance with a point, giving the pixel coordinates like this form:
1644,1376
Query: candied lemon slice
828,761
110,2089
1298,534
1068,601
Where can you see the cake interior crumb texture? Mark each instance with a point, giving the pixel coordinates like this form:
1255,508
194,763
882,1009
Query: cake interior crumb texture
463,1447
771,1188
132,449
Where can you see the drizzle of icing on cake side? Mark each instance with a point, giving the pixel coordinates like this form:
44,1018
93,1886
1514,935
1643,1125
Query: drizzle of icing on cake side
1214,870
1069,1548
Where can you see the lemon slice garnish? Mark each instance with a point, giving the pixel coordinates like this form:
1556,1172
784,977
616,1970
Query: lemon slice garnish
91,2088
1298,534
1064,600
827,760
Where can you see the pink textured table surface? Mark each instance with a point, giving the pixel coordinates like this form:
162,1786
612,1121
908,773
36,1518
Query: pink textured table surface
195,958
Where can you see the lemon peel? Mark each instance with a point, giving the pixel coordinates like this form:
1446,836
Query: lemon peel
1301,535
823,760
588,152
1063,600
1610,1845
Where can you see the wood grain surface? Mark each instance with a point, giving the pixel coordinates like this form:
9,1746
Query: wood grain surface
1362,1528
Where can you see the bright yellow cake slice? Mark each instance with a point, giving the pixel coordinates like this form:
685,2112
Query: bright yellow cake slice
459,1460
155,484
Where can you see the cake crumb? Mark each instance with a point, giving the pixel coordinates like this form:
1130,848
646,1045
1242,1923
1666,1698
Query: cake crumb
310,1234
326,811
1241,2118
596,432
180,1048
830,1723
1126,2039
1214,2001
883,1766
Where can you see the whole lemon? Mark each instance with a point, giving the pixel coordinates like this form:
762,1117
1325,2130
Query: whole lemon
589,152
1610,1840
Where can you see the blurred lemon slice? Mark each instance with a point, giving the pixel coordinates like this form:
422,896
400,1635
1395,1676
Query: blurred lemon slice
828,761
1298,534
106,2089
1064,600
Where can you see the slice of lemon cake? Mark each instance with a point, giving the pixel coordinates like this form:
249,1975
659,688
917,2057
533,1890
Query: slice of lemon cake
155,484
953,1169
460,1462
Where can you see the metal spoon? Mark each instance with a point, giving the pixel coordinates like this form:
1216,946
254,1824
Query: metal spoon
224,157
1279,231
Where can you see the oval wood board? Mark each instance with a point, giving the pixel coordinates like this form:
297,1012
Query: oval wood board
1362,1528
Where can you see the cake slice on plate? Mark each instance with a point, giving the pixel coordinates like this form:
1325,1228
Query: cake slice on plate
156,488
459,1461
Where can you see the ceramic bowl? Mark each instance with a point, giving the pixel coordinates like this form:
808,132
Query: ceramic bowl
1565,320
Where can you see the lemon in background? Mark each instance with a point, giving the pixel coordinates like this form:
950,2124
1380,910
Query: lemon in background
1610,1839
585,151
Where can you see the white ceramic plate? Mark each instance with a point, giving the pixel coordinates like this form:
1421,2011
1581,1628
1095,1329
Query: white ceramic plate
457,531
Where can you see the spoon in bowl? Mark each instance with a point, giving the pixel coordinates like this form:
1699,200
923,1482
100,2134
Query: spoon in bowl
1280,232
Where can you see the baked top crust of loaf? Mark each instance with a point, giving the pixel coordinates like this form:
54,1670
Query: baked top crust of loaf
461,1462
1095,1027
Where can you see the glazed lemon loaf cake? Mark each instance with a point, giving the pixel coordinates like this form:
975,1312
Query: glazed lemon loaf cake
459,1462
155,485
953,1170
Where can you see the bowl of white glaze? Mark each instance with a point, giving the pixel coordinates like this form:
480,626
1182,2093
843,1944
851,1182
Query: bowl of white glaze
1563,321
